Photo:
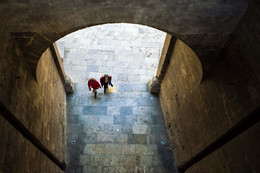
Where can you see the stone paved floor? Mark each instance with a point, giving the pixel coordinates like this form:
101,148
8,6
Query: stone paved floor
122,131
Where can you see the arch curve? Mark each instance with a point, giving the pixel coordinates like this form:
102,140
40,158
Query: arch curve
195,23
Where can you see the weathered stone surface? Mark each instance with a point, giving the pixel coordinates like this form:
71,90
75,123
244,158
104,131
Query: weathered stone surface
69,84
197,115
243,152
198,25
154,86
39,106
192,115
105,137
14,147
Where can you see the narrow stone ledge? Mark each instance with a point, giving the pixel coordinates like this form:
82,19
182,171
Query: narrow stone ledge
154,85
69,85
66,80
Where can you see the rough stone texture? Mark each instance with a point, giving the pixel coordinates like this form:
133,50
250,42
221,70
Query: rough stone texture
66,80
154,86
198,115
204,25
165,57
18,155
69,85
37,24
39,106
120,131
239,155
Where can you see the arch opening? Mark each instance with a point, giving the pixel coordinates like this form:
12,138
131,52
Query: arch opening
198,70
89,56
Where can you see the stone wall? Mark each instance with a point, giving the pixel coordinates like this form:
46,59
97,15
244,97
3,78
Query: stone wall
239,155
196,116
17,154
40,108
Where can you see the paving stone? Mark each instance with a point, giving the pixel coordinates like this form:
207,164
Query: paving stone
88,119
133,78
90,168
131,119
84,101
81,87
128,149
131,160
151,149
146,110
105,119
154,169
157,129
140,149
144,119
120,139
165,154
73,118
111,160
100,64
126,110
140,88
109,169
99,159
119,120
157,119
120,160
140,129
123,78
113,110
153,139
113,149
99,101
75,128
125,169
84,159
147,160
124,87
75,110
95,110
137,139
131,102
92,69
74,168
117,102
90,138
127,129
105,137
95,128
94,51
106,70
115,129
144,102
118,70
94,149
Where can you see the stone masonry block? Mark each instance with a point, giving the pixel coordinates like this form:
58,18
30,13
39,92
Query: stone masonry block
126,110
94,110
128,149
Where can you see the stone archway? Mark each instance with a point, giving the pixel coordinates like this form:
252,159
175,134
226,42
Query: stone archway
36,25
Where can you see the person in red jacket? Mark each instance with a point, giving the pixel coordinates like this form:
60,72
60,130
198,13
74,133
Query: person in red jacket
105,80
93,83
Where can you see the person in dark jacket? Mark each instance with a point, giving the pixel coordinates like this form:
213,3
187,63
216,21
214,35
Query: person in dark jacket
105,81
93,83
